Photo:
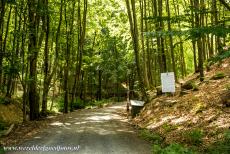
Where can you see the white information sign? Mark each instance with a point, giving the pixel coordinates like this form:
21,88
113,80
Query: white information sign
168,82
137,103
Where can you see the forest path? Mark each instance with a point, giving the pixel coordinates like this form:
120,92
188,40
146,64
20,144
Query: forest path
94,131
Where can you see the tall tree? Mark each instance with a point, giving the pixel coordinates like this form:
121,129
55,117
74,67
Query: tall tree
2,8
131,9
199,41
33,20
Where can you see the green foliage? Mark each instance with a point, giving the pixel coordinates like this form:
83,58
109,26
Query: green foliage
227,135
194,137
171,149
81,104
221,147
4,100
2,150
61,105
50,112
11,1
174,19
99,103
169,127
218,75
199,107
150,136
192,33
2,125
219,57
190,85
78,104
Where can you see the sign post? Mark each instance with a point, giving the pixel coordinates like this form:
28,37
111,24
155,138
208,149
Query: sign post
168,82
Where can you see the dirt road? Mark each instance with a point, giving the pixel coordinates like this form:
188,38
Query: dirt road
95,131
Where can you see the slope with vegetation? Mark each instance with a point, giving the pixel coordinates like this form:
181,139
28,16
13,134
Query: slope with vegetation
197,117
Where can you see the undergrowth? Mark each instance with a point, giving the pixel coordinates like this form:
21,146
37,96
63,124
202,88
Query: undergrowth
192,145
194,137
81,104
173,148
218,58
2,150
220,147
218,75
151,137
2,125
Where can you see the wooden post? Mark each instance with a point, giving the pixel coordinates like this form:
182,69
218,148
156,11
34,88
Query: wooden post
128,98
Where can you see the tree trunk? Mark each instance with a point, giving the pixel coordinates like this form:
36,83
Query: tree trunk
33,54
199,43
46,82
66,67
171,41
162,46
193,40
2,14
146,80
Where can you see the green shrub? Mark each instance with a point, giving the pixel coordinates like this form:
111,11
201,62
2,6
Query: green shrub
194,137
79,104
4,100
171,149
100,103
218,75
50,112
152,137
190,85
61,105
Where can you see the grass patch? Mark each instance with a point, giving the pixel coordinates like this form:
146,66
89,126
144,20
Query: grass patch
151,137
220,147
159,146
218,76
194,137
199,107
169,127
171,149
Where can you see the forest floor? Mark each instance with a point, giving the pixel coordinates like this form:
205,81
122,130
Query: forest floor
198,117
98,131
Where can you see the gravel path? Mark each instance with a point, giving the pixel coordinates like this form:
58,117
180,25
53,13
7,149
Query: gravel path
95,131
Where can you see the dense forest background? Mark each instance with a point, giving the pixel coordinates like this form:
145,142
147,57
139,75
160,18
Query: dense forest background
80,50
